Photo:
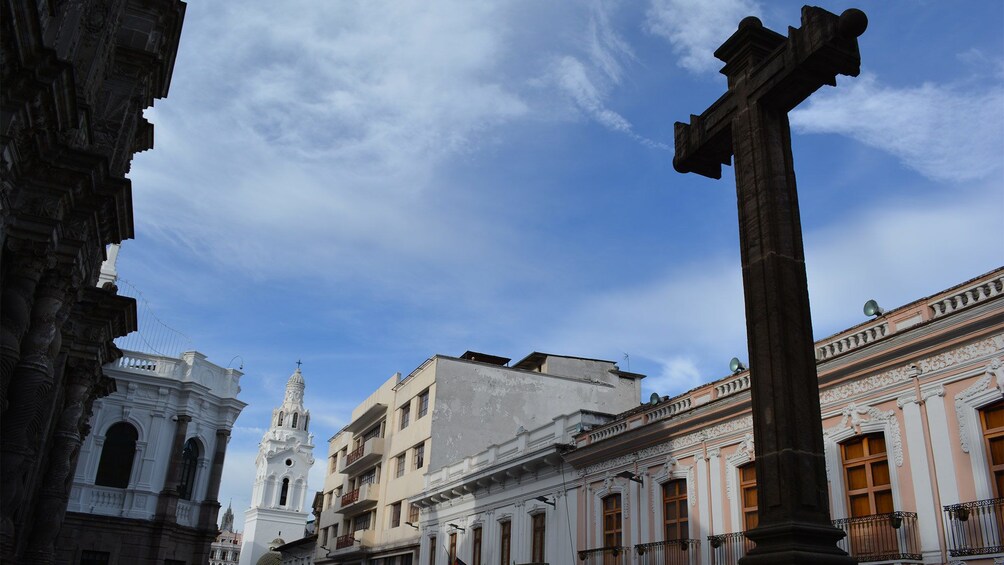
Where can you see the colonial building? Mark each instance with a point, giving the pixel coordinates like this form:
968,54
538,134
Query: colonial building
145,491
515,501
446,409
278,500
226,549
913,420
76,77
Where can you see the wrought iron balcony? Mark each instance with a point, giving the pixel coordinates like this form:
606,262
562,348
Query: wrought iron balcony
355,501
611,555
975,528
672,552
366,455
728,549
347,540
881,537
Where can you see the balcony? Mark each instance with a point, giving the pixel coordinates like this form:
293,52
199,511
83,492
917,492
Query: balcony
363,498
728,549
881,537
891,537
673,552
611,555
354,543
975,528
348,540
366,455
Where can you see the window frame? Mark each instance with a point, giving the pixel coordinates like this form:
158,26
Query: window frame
538,535
680,499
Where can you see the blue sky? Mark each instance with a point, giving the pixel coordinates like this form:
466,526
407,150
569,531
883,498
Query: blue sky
362,185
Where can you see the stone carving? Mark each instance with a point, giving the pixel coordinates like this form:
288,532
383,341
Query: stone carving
854,416
891,377
993,374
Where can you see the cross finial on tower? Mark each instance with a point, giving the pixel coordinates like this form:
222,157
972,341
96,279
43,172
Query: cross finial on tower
298,363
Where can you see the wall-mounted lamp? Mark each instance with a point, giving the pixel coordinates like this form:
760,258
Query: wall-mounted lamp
456,527
872,308
631,477
412,524
736,366
545,500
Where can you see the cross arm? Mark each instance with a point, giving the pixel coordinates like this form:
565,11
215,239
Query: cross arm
705,144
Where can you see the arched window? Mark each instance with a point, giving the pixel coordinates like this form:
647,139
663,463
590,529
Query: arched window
294,419
189,464
306,420
284,492
280,418
119,450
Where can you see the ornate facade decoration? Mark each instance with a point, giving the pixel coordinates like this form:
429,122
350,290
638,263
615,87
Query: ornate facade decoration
76,77
993,376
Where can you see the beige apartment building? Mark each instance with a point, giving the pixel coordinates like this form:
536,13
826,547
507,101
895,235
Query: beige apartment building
446,409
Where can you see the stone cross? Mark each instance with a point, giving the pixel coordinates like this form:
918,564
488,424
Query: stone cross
768,75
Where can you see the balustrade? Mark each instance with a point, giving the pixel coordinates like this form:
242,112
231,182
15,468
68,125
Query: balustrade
728,549
611,555
672,552
881,537
975,528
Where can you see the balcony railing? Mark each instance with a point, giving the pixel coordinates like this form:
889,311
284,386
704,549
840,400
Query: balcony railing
975,528
355,454
349,498
348,540
673,552
881,537
612,555
728,549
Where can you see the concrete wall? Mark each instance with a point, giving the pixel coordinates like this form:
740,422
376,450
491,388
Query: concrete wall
479,404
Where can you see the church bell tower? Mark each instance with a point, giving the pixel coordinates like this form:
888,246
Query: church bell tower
285,455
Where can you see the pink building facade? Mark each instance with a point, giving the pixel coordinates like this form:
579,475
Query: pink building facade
913,422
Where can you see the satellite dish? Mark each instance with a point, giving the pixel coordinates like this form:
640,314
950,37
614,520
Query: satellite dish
873,309
654,399
736,366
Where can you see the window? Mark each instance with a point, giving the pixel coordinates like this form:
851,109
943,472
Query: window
94,557
405,415
395,515
332,463
372,433
117,455
294,419
612,521
399,470
420,455
361,522
368,477
866,469
537,538
423,403
748,495
324,536
280,418
476,546
452,556
505,541
413,514
432,551
674,510
993,432
189,465
306,420
285,491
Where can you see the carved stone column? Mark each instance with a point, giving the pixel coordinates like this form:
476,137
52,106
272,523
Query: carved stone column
80,381
19,283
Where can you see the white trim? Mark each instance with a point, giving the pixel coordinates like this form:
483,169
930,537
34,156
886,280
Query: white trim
876,421
671,470
744,454
598,496
985,391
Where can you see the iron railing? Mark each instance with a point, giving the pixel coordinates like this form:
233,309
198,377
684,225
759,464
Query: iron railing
728,549
346,540
355,454
611,555
881,537
975,528
672,552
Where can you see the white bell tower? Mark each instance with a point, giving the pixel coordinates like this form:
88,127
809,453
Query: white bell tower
279,498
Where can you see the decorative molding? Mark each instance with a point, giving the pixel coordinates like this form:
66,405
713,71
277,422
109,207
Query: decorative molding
744,454
975,396
854,416
898,375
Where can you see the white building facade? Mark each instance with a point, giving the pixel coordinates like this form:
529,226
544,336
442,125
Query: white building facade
285,455
146,485
513,502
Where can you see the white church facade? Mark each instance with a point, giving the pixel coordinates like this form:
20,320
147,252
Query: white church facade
279,497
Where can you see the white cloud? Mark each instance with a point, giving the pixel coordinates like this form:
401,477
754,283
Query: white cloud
696,28
691,321
944,132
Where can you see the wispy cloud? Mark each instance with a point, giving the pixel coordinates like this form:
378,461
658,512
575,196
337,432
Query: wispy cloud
696,28
944,132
